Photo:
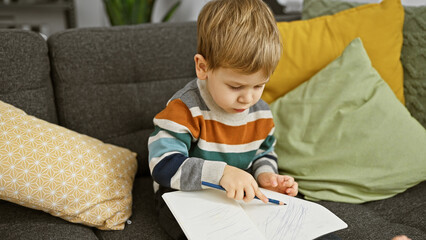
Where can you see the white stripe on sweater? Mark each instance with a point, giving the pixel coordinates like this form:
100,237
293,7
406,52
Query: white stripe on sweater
161,134
226,148
212,171
210,115
262,169
175,180
172,126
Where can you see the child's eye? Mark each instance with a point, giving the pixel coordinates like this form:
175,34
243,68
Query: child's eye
235,87
259,86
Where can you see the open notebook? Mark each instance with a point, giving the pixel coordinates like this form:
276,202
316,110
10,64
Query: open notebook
209,214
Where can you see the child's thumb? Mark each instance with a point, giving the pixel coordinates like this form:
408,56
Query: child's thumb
273,180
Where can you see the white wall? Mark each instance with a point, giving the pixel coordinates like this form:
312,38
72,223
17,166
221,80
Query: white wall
296,5
187,11
90,13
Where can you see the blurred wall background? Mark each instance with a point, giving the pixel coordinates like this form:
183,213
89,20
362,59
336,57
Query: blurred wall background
50,16
91,13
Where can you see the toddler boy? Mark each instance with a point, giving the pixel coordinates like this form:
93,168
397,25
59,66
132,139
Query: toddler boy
216,129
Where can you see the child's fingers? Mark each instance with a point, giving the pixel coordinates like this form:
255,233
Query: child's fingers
292,191
239,195
281,179
249,194
401,237
289,181
273,180
230,193
259,194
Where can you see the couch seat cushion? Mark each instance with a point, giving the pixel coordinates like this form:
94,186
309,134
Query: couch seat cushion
17,222
144,221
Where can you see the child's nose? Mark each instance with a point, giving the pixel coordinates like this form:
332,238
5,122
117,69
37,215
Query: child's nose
245,98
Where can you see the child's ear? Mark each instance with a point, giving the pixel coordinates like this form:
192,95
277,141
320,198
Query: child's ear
200,66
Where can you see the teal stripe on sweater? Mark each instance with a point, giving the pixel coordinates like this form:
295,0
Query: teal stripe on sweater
165,145
268,143
156,131
184,137
240,160
264,153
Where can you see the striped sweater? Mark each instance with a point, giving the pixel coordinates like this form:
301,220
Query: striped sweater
194,139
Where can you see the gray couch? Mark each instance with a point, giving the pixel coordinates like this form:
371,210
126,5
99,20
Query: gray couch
109,83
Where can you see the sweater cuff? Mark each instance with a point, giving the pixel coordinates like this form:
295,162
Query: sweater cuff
212,172
264,168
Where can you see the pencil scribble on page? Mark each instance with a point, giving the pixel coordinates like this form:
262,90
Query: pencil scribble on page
209,214
285,223
279,222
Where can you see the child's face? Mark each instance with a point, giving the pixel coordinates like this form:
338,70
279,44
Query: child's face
233,91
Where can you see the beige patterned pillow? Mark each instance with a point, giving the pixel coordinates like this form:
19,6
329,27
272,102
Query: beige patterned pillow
69,175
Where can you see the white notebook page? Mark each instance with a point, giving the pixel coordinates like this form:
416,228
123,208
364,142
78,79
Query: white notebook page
209,214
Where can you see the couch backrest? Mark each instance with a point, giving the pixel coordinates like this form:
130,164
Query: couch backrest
25,73
110,82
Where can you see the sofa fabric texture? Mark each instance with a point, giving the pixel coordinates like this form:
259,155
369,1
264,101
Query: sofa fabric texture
24,73
126,69
109,83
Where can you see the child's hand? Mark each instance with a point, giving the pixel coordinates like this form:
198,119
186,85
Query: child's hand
240,185
401,237
278,183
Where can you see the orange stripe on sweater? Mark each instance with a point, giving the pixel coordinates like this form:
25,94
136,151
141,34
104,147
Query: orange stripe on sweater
220,133
178,112
214,131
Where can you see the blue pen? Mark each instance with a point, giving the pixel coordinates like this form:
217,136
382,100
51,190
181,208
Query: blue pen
221,188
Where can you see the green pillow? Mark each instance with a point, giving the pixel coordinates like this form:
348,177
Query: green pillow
413,54
344,135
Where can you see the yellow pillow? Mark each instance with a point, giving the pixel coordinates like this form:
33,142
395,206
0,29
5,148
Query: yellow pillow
310,45
69,175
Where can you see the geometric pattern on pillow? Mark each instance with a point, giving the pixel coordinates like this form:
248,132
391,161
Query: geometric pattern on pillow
69,175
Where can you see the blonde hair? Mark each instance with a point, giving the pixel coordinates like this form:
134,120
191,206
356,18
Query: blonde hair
239,34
